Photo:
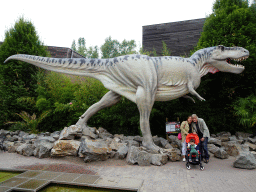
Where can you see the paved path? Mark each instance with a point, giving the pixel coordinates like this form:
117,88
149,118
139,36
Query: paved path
219,175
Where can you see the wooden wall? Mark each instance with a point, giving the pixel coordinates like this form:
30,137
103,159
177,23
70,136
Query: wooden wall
180,37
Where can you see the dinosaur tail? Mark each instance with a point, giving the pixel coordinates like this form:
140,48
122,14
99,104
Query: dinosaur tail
75,66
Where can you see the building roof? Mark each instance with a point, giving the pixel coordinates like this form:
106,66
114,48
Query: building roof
61,52
180,37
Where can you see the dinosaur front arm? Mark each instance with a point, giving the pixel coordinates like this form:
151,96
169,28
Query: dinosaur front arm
193,92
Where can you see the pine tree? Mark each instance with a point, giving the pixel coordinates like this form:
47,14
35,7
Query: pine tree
18,79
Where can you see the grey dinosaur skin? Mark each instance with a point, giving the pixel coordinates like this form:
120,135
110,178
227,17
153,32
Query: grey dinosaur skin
143,79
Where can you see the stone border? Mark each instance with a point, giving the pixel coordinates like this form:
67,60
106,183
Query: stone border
51,181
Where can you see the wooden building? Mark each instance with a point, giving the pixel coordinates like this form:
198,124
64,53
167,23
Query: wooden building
180,37
61,52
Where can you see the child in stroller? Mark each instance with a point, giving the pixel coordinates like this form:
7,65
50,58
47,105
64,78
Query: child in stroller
193,155
192,147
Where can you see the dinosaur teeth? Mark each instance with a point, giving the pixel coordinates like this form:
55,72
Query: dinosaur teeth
241,59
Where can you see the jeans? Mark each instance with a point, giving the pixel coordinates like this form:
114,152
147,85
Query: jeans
184,148
203,148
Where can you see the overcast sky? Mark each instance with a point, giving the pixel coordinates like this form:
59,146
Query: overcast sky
58,23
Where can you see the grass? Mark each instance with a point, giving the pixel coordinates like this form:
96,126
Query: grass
68,188
5,175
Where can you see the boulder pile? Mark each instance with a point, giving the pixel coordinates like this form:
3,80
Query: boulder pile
241,145
93,144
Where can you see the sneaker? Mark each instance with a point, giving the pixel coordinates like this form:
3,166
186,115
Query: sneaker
184,159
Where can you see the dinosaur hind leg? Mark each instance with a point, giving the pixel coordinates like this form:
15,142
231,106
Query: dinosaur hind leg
145,101
109,99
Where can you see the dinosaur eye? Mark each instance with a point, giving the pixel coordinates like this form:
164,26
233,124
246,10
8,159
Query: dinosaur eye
221,47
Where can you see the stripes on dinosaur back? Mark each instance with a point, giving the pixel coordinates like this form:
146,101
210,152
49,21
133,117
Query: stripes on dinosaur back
96,63
80,62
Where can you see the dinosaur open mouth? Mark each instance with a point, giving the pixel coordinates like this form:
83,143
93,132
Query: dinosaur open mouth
230,61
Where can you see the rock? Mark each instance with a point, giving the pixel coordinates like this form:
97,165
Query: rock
159,159
245,160
55,135
214,141
132,156
233,149
128,137
14,133
12,146
104,134
122,152
90,133
168,146
243,135
4,132
144,158
254,153
94,150
131,143
115,144
223,133
25,149
224,138
43,148
120,136
14,138
173,154
157,141
233,138
139,139
65,147
175,142
29,137
212,148
252,147
221,154
22,133
47,138
69,133
165,144
252,140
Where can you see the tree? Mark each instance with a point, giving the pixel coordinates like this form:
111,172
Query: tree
113,48
18,79
245,109
81,46
73,46
91,52
232,23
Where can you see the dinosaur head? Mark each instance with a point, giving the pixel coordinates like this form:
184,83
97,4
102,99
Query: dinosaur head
221,58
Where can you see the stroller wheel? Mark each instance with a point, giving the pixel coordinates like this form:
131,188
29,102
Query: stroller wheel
188,167
202,168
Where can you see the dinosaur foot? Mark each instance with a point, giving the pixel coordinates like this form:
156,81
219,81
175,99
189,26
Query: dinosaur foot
153,148
82,124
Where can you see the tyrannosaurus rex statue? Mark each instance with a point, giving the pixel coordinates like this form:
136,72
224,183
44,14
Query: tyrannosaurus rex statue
143,79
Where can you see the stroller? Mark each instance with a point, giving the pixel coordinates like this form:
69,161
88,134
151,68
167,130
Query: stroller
193,158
